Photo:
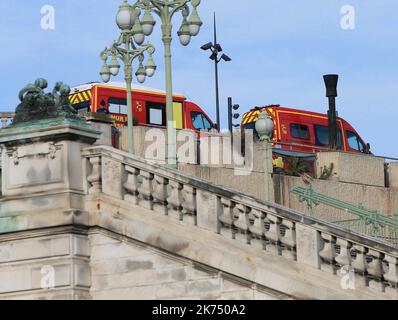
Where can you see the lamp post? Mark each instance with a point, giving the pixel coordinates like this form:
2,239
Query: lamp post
216,49
331,81
132,30
265,127
190,27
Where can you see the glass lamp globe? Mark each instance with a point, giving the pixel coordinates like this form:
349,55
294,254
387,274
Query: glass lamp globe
147,23
141,78
150,67
125,17
114,66
150,72
264,125
141,74
185,34
105,73
194,23
106,77
138,33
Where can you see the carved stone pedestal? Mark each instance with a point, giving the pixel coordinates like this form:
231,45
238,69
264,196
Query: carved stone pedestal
42,188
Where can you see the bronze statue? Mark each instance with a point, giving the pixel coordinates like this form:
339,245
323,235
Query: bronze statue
37,105
33,90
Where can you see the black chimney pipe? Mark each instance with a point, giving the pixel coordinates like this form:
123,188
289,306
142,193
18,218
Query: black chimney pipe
331,81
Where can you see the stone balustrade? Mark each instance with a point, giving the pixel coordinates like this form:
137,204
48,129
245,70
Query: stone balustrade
267,227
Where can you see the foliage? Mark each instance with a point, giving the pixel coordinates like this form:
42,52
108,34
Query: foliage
297,167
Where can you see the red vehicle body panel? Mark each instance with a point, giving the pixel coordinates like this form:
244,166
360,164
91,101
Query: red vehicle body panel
287,120
99,102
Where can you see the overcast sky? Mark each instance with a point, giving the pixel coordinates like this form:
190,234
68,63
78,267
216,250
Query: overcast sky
280,50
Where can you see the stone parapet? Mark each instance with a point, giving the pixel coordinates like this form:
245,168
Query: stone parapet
352,168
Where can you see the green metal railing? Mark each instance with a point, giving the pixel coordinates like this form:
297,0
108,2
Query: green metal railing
370,223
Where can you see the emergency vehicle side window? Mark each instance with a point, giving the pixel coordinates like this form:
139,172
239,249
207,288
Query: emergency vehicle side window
118,106
322,136
156,114
200,122
354,142
299,131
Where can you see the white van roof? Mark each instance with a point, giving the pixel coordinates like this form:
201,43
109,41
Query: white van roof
121,85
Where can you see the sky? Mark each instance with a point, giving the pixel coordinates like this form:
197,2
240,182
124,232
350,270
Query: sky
280,50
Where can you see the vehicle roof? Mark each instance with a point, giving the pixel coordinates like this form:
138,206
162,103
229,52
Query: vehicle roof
119,85
293,110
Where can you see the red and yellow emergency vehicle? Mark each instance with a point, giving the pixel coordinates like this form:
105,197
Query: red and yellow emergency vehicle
306,131
299,134
149,105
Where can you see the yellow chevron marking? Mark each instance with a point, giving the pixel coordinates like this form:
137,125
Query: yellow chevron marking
74,98
246,115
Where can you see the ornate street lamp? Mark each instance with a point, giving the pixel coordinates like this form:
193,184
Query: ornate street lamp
132,30
265,127
190,27
216,49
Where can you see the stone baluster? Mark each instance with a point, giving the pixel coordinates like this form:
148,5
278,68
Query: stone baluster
272,234
95,178
375,270
288,239
391,276
226,218
328,253
343,258
160,194
241,223
359,264
131,185
188,203
175,200
145,190
257,229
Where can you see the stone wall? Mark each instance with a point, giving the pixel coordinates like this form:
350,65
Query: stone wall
383,200
126,270
353,168
31,263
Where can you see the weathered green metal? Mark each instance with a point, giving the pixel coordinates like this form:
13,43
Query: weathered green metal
265,131
37,105
369,222
166,10
125,50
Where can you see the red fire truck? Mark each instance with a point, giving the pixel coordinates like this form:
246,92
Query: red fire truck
306,131
149,105
299,134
